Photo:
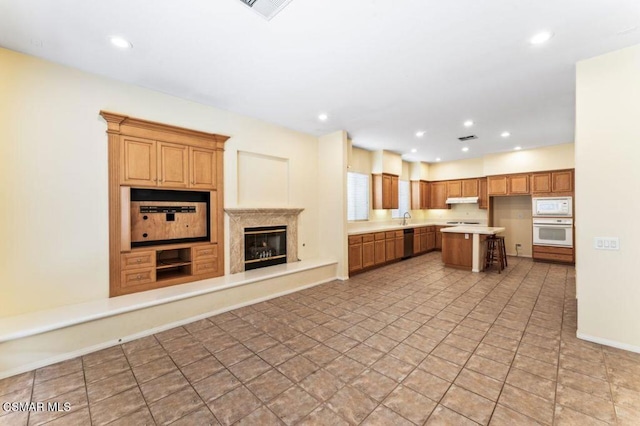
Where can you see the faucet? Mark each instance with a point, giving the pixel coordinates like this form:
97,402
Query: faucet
404,218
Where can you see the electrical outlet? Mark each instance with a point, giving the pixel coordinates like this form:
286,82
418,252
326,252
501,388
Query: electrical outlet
518,245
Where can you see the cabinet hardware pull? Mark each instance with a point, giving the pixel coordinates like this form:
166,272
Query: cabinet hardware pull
138,277
138,260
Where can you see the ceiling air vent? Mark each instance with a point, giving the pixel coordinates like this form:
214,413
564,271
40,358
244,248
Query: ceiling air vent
267,8
467,138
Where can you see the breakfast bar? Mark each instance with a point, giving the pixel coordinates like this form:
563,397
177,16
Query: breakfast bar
464,247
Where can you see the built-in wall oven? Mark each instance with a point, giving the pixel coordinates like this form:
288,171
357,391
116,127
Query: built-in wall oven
553,232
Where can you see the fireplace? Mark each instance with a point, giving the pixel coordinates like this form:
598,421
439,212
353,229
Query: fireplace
241,219
264,246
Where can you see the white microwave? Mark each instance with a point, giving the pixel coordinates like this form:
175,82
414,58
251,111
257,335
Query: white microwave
553,206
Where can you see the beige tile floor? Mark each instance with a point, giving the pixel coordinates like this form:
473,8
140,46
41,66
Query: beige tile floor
411,343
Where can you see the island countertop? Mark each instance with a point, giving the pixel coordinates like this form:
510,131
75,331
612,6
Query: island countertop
483,230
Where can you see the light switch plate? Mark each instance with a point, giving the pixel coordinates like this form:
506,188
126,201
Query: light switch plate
606,243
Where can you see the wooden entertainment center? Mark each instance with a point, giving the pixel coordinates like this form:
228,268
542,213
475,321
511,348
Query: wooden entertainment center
144,155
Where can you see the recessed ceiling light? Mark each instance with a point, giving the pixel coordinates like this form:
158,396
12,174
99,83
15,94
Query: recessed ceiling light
468,123
541,37
517,148
465,149
120,42
323,117
438,159
505,134
420,133
414,150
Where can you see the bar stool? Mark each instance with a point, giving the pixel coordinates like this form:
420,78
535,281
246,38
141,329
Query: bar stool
496,253
504,249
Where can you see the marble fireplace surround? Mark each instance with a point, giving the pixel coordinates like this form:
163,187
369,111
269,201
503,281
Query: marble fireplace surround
240,218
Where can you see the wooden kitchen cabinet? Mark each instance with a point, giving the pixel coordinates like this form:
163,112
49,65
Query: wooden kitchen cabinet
419,195
518,184
417,248
554,254
423,241
379,248
470,188
385,191
399,244
508,185
562,181
438,195
355,253
390,245
497,185
454,188
438,237
173,165
552,183
541,183
138,161
203,170
368,251
483,197
430,238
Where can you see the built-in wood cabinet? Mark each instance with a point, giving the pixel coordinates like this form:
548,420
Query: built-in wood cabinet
508,185
368,251
419,195
168,165
554,254
470,188
355,253
399,244
438,195
390,245
438,237
454,188
144,154
552,183
483,197
385,191
380,248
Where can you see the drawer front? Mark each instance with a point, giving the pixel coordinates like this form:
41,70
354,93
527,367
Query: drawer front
391,234
567,251
379,236
205,267
205,252
135,277
431,228
368,238
138,260
553,256
355,239
399,234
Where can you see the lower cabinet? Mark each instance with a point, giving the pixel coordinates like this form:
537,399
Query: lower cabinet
554,254
144,269
377,249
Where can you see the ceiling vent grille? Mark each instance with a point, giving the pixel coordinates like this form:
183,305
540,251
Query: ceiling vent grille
267,8
467,138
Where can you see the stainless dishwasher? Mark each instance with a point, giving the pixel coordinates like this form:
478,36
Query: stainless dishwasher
408,243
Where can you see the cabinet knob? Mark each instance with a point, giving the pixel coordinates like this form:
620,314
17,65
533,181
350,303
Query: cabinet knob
205,252
138,276
138,260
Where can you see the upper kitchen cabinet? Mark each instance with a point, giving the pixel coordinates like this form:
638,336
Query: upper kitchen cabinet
385,191
438,195
173,165
558,182
454,188
419,195
483,198
470,188
203,168
508,185
138,161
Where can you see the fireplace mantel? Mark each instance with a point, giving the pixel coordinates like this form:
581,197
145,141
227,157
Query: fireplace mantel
244,217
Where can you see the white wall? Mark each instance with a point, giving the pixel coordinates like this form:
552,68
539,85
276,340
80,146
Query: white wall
607,178
53,176
553,157
514,214
332,197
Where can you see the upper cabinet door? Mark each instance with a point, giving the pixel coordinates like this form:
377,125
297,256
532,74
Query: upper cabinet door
395,199
203,168
562,181
470,188
454,188
138,161
540,183
497,185
483,198
173,165
518,184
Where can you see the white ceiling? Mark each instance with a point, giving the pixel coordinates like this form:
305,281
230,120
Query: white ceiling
381,69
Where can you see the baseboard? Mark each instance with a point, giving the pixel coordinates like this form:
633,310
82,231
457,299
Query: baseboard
607,342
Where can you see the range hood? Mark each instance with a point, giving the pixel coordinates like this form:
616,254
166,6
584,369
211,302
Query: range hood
462,200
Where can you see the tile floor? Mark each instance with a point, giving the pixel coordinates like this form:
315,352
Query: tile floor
411,343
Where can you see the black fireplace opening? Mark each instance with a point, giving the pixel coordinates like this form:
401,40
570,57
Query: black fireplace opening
264,246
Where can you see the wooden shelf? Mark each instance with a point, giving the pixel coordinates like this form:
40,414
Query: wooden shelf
171,263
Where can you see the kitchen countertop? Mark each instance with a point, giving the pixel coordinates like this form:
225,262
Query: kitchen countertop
393,227
475,229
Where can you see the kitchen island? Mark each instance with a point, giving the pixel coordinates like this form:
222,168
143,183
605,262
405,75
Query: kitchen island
464,247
